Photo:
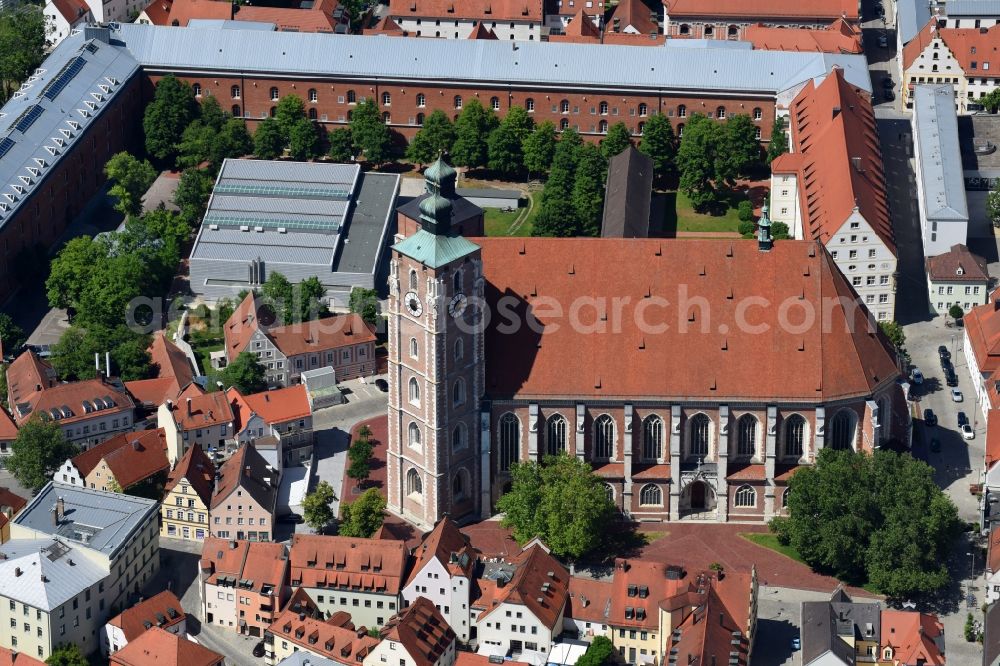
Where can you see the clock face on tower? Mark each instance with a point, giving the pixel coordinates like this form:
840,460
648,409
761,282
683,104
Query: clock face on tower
413,303
457,305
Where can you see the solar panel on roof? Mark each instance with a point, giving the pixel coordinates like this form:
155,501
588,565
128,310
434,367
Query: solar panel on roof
6,144
63,78
27,118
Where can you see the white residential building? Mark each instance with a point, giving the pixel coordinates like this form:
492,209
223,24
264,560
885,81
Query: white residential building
62,16
418,636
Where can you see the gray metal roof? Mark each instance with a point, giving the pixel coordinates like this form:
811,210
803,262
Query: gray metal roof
367,229
936,126
223,24
95,519
303,658
463,61
45,573
911,17
972,8
54,108
293,247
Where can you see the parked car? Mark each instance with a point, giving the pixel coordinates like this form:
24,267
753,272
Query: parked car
917,376
929,418
962,419
968,432
258,649
950,378
382,385
944,353
883,41
956,395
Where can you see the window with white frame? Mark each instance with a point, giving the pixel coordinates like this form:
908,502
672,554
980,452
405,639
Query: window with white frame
555,435
651,495
746,497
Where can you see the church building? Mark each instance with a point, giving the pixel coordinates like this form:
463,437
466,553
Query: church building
696,376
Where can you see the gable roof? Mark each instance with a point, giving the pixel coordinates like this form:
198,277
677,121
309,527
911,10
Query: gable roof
50,572
248,470
156,647
174,372
422,631
539,583
447,545
635,14
12,501
8,429
165,12
975,49
716,629
480,32
10,657
982,327
71,10
262,563
840,37
850,357
197,469
764,9
628,193
274,407
131,456
589,600
840,168
196,409
162,610
959,264
638,587
915,638
27,375
335,638
318,560
479,10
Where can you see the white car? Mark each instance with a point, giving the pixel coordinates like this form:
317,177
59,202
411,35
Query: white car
968,432
956,395
917,376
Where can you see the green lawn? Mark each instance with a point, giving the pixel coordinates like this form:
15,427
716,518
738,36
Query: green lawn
680,215
498,222
768,540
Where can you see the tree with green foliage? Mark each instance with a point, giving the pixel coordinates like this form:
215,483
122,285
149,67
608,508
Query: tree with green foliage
246,373
362,517
268,142
562,501
745,211
12,336
539,148
37,452
232,140
993,202
617,139
598,653
130,179
358,455
875,518
433,139
105,297
167,116
196,145
365,303
71,270
779,140
780,231
472,131
894,332
956,312
23,31
294,303
588,189
697,160
658,141
504,145
67,655
73,355
370,133
316,506
342,147
991,101
557,216
304,142
191,196
288,112
211,114
741,151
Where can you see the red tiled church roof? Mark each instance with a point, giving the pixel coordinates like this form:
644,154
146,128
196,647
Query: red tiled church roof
764,9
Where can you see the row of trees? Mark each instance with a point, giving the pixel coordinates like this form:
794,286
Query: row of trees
23,33
712,155
572,202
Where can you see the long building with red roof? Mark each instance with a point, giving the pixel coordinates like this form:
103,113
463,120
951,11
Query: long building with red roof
327,17
243,584
831,187
519,20
841,36
635,355
722,19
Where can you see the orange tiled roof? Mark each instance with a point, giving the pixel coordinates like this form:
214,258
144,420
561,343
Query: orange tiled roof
840,37
12,501
589,600
157,647
277,406
162,610
262,562
463,658
174,373
131,456
911,636
422,631
719,610
334,639
8,429
72,10
386,26
77,396
534,565
197,469
958,264
447,545
336,561
637,589
196,409
248,470
27,376
14,658
812,10
481,32
635,14
982,326
968,45
479,10
747,473
166,12
915,46
992,437
839,161
848,358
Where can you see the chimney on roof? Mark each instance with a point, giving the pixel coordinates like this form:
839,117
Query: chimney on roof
135,444
189,406
107,364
